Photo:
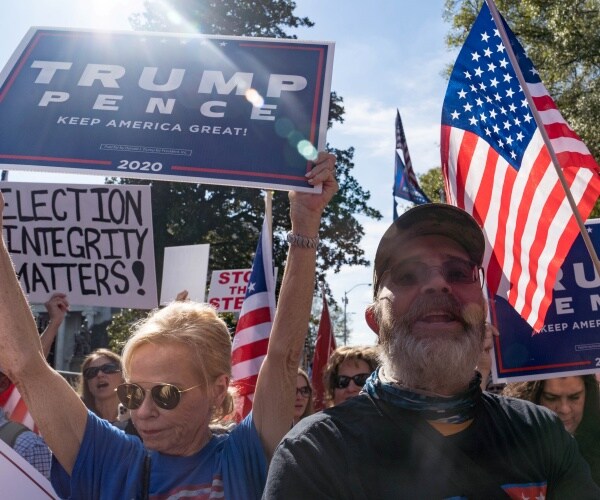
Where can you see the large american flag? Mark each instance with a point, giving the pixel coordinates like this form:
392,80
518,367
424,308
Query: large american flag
254,324
497,167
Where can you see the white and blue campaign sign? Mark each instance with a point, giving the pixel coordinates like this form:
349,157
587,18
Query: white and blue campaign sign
92,242
210,109
569,343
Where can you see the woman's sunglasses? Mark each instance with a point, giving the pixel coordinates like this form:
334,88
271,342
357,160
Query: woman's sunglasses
165,396
343,381
107,368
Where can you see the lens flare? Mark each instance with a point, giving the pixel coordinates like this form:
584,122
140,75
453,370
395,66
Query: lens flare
306,149
254,98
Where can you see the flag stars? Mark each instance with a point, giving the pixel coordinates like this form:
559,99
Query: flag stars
482,117
527,118
513,155
519,136
482,86
462,94
488,99
473,88
491,67
507,125
478,72
502,110
494,82
500,47
507,77
517,121
251,287
479,102
485,37
487,52
496,129
493,114
487,131
475,56
509,93
524,103
455,114
503,63
512,108
534,71
467,107
497,97
468,75
496,32
500,143
473,121
509,140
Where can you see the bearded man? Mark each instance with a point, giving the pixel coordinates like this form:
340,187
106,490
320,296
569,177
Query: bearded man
422,428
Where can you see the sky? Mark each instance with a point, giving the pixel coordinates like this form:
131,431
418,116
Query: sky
388,56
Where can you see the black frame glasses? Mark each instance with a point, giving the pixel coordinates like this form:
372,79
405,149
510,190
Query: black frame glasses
417,273
303,391
343,381
92,371
165,396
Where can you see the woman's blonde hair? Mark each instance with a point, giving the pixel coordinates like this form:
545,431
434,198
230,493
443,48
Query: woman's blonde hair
197,327
83,387
310,407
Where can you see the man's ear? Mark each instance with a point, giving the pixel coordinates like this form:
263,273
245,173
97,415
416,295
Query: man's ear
371,319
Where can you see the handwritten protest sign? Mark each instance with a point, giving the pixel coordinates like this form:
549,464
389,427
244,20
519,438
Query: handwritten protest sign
228,288
212,109
92,242
19,479
569,343
185,268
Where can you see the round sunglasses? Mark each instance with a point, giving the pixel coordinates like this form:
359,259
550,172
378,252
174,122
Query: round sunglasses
165,396
107,368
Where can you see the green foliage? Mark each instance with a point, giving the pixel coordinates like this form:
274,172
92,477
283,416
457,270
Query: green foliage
432,183
120,328
562,38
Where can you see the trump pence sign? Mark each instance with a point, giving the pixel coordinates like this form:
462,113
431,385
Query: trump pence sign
211,109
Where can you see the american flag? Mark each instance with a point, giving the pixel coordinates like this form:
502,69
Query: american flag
254,324
406,185
324,346
15,408
497,167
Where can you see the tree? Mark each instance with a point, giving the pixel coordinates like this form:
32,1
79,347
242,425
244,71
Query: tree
562,38
432,183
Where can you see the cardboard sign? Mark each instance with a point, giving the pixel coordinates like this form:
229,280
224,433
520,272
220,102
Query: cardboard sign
20,480
94,243
569,343
185,268
225,110
228,289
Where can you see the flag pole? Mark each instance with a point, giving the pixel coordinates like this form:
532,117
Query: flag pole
513,59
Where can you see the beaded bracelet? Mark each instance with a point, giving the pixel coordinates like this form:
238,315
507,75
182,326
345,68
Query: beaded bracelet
297,240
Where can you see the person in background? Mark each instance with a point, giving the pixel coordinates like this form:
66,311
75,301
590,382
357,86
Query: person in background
177,367
11,402
25,442
347,371
576,401
303,405
100,376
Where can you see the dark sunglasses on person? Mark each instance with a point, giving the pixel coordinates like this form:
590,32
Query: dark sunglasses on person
343,381
165,396
303,391
414,272
107,368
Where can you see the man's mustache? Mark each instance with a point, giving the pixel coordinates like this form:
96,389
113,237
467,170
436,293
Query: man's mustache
435,302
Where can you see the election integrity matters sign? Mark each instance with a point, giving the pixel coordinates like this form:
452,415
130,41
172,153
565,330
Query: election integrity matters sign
569,343
94,243
214,109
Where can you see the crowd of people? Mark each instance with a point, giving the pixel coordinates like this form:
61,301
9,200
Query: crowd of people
408,417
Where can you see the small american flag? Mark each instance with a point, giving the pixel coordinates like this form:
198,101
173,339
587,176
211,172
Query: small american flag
15,408
497,167
254,324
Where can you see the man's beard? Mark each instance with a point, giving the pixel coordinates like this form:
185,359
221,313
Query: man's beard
439,363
